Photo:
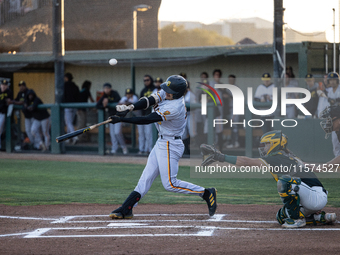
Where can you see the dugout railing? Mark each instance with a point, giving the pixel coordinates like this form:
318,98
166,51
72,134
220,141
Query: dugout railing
307,138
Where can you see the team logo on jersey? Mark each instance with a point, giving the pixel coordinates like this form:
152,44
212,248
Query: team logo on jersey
168,83
166,113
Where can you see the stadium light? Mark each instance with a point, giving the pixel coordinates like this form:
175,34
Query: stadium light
138,8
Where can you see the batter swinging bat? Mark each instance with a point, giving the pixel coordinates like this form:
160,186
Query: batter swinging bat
80,131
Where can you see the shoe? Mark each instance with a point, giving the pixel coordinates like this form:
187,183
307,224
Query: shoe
42,146
113,152
330,217
291,223
230,146
119,215
210,197
325,218
125,151
140,153
237,145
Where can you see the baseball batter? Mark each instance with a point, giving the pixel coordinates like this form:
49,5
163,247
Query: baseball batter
301,192
169,117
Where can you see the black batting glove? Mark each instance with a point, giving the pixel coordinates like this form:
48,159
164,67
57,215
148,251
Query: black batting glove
114,119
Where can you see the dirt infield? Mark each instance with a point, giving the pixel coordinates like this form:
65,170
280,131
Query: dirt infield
158,229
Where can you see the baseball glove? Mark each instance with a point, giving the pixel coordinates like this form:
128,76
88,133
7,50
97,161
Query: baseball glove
210,154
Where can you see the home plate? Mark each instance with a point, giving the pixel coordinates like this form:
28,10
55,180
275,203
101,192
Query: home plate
122,224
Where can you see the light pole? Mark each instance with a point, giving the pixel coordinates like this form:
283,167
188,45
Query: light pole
137,8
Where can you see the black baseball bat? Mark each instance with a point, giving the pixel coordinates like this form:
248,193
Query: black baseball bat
80,131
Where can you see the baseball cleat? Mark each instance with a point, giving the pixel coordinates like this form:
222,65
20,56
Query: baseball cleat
119,215
210,197
330,217
291,223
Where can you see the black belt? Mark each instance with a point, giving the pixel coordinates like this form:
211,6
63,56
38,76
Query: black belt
324,191
175,137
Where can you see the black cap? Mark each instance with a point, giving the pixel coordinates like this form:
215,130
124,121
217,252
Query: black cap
266,77
129,91
5,82
107,85
158,79
309,76
22,83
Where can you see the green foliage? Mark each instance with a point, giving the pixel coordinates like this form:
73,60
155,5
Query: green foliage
47,182
179,37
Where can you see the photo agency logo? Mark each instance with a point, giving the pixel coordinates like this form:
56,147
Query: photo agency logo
238,105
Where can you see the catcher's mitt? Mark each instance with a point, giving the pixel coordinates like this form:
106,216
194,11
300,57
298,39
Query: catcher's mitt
210,154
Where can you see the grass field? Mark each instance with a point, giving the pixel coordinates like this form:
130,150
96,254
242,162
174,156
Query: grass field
49,182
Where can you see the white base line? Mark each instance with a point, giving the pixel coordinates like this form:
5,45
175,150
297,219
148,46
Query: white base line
25,218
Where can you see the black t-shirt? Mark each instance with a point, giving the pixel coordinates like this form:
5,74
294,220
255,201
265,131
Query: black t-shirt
3,99
71,92
113,97
21,97
283,161
84,95
38,114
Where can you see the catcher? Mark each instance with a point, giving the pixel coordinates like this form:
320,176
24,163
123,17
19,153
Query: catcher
169,117
301,192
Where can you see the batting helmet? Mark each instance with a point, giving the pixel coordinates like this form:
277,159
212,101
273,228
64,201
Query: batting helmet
272,142
176,85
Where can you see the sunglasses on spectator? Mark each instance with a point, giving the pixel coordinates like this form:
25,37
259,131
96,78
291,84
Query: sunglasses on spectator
147,80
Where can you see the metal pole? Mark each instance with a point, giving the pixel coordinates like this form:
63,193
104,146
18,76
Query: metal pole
326,58
134,29
58,49
278,40
334,49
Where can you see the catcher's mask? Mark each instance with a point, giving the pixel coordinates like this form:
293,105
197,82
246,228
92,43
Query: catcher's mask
328,115
272,142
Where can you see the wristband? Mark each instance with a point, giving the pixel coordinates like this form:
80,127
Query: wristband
230,159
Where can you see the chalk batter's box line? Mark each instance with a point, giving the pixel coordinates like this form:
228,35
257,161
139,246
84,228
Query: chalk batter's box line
204,231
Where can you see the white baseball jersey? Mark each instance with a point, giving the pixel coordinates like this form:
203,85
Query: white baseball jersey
263,90
173,113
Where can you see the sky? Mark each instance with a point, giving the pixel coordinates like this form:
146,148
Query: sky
301,15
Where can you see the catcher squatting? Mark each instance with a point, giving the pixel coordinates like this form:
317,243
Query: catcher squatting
302,194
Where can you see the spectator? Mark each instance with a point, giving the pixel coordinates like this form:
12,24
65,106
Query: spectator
290,108
333,89
145,131
264,93
112,96
217,74
84,96
190,129
322,93
312,86
20,100
334,100
71,95
235,118
158,83
41,120
199,118
6,96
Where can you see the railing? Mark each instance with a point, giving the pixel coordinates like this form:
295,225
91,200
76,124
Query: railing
307,139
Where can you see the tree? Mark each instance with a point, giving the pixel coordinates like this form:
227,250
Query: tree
172,36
